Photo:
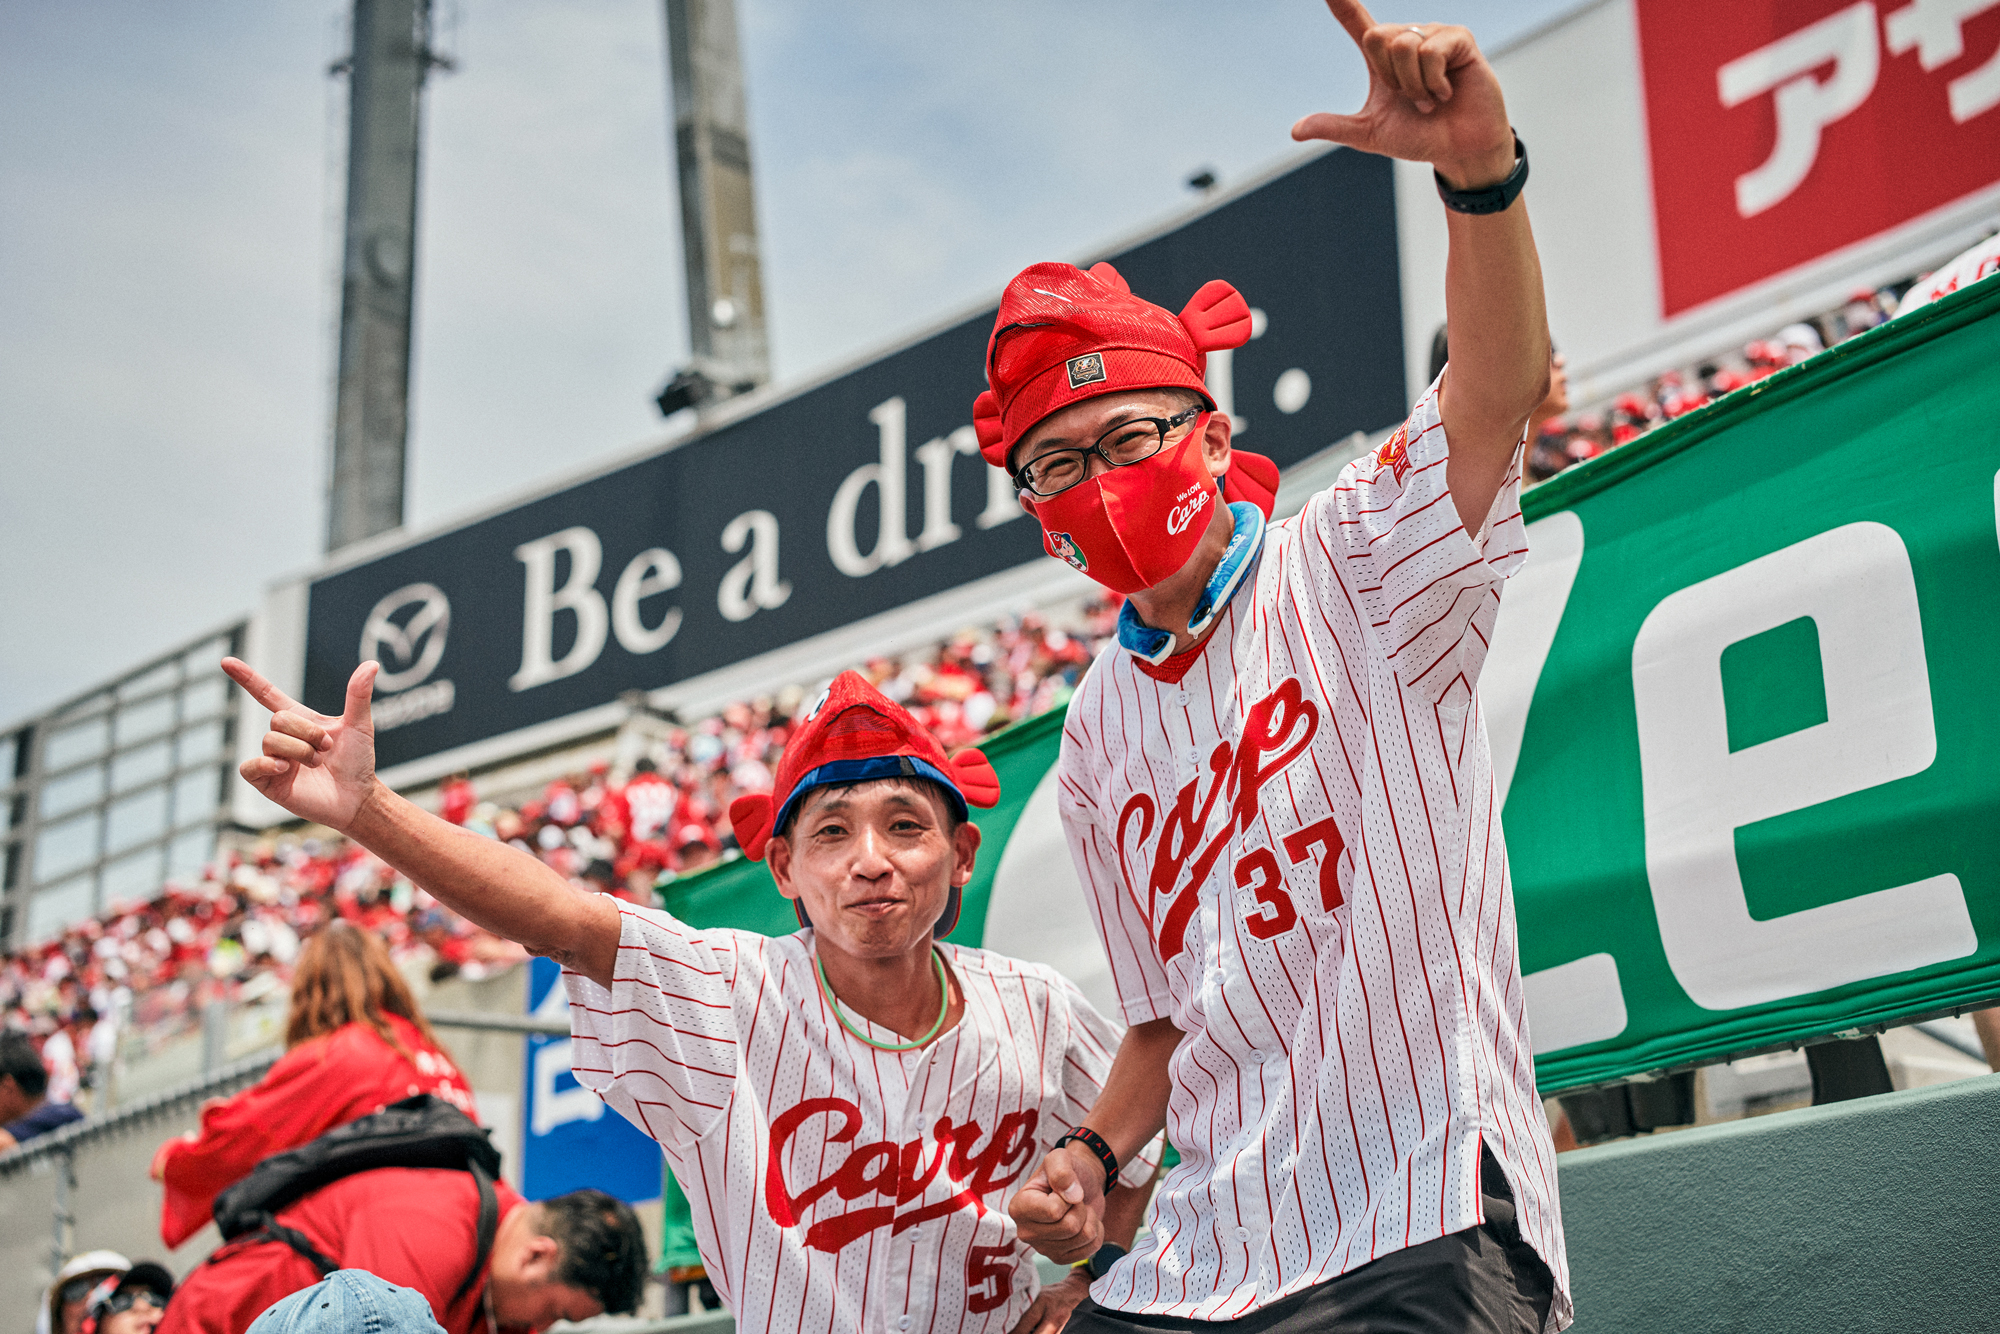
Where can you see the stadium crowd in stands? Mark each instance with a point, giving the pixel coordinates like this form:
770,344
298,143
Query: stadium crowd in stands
142,975
1574,437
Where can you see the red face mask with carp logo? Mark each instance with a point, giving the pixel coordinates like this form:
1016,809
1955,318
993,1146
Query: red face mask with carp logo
1064,335
1133,527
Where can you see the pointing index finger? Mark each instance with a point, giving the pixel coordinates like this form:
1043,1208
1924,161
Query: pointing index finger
1353,16
261,690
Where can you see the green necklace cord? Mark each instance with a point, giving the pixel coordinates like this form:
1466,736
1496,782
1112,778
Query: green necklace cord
944,987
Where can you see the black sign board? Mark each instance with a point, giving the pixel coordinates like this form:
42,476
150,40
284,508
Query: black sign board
768,530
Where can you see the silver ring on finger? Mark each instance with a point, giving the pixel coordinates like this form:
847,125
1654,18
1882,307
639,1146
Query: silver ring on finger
1416,29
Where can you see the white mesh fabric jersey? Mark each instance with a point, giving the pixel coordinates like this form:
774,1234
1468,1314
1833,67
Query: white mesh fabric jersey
834,1186
1289,843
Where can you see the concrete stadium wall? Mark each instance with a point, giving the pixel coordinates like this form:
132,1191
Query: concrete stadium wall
1875,1214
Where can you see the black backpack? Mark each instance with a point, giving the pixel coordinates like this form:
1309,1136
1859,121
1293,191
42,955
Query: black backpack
420,1131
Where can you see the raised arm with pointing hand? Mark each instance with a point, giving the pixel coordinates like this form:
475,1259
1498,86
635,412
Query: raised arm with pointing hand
1433,98
323,769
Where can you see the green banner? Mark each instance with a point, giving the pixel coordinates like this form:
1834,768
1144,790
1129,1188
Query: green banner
1745,713
1747,698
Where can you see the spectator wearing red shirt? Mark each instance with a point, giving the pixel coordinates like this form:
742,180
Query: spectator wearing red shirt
355,1042
569,1258
456,798
649,802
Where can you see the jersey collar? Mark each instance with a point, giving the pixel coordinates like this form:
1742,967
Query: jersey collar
1145,643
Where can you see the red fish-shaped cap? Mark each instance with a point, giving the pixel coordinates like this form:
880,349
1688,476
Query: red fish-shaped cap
1064,335
852,734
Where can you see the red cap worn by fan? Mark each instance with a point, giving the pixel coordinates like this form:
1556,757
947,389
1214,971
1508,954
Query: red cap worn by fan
1064,335
853,734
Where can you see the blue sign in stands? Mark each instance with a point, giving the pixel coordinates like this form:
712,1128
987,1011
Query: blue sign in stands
569,1138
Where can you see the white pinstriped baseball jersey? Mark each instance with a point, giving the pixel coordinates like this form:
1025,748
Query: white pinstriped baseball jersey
1292,852
836,1187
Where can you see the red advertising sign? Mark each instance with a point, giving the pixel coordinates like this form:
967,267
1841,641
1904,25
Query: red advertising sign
1782,130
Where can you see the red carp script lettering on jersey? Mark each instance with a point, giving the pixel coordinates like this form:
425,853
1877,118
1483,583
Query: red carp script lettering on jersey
1283,722
899,1172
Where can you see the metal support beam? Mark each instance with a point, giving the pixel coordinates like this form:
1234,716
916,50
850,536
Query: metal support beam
63,1244
725,284
499,1023
391,55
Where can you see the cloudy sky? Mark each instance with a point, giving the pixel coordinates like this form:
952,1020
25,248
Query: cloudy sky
170,198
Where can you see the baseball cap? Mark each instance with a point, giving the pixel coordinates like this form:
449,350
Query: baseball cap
854,733
1064,335
349,1299
104,1301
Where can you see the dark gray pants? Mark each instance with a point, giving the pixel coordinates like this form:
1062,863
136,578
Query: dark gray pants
1484,1280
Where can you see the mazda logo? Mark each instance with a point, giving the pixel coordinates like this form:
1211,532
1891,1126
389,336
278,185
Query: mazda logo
408,651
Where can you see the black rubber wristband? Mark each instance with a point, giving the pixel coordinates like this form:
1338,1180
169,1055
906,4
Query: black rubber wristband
1093,1141
1494,198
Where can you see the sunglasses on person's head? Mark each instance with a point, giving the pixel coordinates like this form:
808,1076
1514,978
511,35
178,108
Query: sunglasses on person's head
127,1298
78,1288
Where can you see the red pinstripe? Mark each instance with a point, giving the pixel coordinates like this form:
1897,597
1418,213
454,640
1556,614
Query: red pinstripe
1027,1038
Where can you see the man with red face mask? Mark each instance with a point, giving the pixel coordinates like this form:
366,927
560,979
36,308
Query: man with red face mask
1277,790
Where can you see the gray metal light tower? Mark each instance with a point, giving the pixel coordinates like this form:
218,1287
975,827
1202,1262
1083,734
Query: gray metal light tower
725,285
391,56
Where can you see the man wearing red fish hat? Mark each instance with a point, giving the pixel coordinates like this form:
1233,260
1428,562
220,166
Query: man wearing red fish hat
849,1107
1277,791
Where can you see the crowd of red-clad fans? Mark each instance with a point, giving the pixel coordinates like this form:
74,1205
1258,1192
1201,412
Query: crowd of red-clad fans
126,983
1574,437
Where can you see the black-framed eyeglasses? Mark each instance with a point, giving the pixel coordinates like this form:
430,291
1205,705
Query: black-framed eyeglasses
1128,442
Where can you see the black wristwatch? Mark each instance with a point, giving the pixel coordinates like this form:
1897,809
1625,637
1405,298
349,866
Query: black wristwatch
1494,198
1099,1264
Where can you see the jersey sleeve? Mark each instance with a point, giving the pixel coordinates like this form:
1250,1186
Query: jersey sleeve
660,1047
1121,918
1430,591
1092,1043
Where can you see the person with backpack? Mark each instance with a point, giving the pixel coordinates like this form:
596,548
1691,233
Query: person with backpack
355,1041
568,1258
850,1106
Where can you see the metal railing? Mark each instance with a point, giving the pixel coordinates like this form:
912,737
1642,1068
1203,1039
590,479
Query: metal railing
498,1023
56,1151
